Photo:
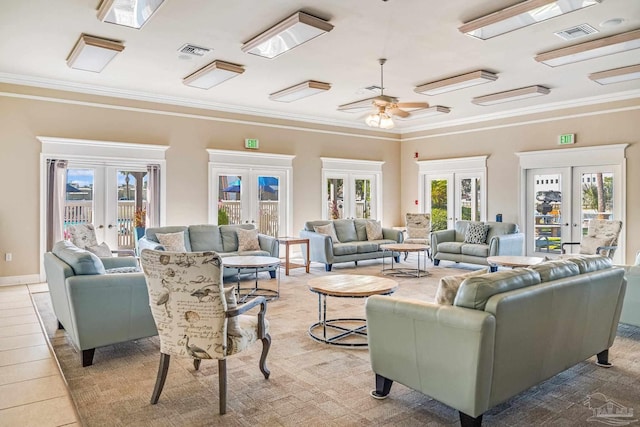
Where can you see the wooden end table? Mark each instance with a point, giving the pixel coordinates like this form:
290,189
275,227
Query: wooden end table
345,286
288,242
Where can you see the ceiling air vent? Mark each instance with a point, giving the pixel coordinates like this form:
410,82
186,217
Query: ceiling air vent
191,49
576,32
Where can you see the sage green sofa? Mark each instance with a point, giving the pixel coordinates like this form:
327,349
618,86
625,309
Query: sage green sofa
505,332
631,307
503,238
222,239
97,301
353,245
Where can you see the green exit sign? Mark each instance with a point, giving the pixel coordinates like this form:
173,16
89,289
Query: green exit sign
251,143
567,138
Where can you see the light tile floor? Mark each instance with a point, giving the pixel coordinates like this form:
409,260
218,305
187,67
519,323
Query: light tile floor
32,389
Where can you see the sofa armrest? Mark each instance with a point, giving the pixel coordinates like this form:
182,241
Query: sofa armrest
443,351
269,244
441,236
320,247
391,234
144,243
107,309
507,244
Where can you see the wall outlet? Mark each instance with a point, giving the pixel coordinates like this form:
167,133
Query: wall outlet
8,256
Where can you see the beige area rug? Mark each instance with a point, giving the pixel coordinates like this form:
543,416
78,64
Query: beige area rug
311,383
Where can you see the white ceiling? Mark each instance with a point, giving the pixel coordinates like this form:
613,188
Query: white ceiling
419,38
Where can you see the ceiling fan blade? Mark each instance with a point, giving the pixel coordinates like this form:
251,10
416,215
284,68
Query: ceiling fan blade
398,112
412,105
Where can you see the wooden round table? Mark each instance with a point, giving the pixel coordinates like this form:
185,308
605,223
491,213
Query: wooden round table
512,261
254,262
345,286
404,247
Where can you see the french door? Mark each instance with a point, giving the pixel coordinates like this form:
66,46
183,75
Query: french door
561,201
251,196
453,196
107,197
350,196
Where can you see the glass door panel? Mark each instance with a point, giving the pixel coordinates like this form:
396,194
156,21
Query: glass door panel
439,200
596,197
229,199
363,198
130,203
268,204
546,210
469,198
79,203
335,198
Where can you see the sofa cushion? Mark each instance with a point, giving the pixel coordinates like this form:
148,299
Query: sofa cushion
374,230
450,247
82,262
345,248
151,234
476,233
460,228
172,242
327,230
500,228
475,291
229,236
361,228
481,250
366,246
248,240
554,270
205,237
102,250
449,285
589,263
345,230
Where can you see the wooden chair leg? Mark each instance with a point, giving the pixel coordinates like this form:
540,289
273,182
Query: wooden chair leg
222,385
266,344
196,364
163,368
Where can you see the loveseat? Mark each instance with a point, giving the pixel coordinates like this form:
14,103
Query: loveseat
97,301
222,239
505,332
502,238
353,243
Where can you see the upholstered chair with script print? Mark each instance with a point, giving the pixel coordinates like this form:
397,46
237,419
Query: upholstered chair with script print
602,238
418,230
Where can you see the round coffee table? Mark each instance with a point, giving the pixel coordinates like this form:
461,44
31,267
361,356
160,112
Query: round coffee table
404,247
255,262
345,286
512,261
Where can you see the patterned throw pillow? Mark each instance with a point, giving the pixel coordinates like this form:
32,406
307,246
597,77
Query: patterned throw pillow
374,230
417,233
476,233
248,240
102,250
449,285
172,242
233,323
327,230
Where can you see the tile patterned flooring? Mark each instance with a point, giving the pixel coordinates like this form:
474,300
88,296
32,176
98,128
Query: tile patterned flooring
32,389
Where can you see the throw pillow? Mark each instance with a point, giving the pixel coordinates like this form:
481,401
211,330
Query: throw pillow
476,233
327,230
102,250
589,245
248,240
233,323
172,242
374,230
417,233
449,285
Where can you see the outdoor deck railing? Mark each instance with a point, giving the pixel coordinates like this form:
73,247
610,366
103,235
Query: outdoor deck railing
81,212
267,215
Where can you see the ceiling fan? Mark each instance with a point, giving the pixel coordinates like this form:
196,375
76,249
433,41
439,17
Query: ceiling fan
384,107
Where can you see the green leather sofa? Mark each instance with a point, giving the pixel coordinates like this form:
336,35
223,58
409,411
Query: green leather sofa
97,301
505,332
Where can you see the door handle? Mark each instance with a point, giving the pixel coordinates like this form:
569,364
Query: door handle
110,226
575,225
566,224
101,226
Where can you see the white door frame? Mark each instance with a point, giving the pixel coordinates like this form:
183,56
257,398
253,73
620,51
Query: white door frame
106,153
612,155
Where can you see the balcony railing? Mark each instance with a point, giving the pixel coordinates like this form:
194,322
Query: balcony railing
267,215
81,212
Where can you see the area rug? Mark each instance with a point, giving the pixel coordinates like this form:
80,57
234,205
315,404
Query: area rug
311,383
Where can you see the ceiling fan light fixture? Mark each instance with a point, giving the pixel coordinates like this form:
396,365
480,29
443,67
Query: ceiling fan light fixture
592,49
617,75
299,91
213,74
521,15
295,30
511,95
379,120
130,13
93,53
455,83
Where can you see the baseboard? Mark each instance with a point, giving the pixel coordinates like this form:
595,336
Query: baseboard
20,280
